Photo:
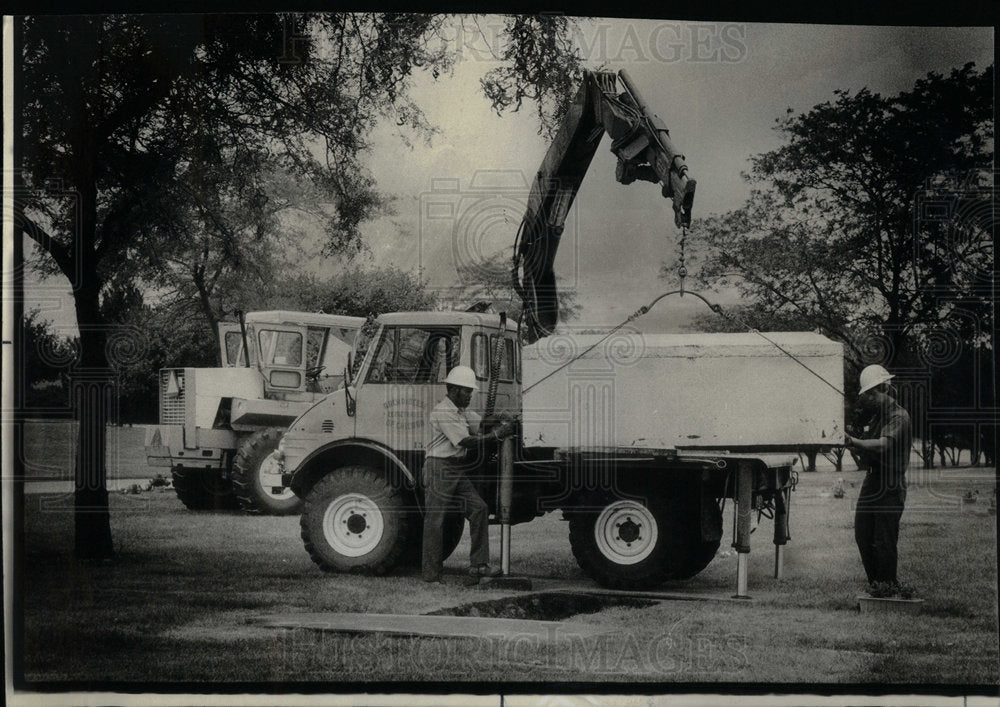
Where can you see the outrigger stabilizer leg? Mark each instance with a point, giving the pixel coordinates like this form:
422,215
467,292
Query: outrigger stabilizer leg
781,535
741,539
506,580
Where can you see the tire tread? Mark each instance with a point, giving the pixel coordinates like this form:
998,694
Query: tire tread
249,455
189,485
316,501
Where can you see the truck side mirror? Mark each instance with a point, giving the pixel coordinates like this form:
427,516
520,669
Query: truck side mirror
349,401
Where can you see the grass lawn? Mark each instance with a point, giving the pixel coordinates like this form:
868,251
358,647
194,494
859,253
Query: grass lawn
178,604
49,448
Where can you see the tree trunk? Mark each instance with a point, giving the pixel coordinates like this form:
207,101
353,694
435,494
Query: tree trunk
93,399
811,459
838,458
927,449
204,299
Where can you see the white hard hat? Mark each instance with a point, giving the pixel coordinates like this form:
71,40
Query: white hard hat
462,376
872,376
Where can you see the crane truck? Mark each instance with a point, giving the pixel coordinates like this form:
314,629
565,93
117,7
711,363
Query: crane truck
637,439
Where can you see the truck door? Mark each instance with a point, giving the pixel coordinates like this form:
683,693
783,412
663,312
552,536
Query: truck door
484,346
283,361
404,382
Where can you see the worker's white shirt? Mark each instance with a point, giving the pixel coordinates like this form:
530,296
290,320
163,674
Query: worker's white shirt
449,426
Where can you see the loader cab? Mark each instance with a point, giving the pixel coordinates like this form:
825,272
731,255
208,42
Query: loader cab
300,356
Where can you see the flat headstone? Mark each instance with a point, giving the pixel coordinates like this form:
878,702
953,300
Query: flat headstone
441,626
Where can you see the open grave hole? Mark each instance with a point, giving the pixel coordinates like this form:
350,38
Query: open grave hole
544,606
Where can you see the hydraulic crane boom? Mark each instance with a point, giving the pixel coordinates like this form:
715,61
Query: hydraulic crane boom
645,152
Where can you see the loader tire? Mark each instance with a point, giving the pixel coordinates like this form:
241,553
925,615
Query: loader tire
204,489
256,481
354,520
638,544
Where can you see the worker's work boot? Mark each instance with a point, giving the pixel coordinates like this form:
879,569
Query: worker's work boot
478,572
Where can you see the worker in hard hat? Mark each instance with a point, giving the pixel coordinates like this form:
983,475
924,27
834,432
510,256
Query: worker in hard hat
886,453
455,429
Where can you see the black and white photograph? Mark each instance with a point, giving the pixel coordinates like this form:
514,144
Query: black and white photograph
381,357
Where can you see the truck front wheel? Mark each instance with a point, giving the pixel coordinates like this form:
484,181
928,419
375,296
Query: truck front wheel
637,544
204,489
354,520
257,477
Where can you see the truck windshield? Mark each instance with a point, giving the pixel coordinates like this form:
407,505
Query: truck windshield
315,343
415,355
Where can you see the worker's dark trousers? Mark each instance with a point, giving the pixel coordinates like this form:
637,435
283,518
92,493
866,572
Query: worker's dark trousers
447,489
876,527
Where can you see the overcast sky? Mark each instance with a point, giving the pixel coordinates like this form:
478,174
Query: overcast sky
718,87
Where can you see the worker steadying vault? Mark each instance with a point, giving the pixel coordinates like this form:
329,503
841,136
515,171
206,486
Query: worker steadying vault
883,492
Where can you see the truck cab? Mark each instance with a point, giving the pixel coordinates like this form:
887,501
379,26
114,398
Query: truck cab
356,455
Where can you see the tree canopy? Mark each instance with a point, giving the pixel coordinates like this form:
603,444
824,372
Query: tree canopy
872,222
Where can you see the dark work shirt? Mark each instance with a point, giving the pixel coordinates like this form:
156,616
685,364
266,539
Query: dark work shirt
891,464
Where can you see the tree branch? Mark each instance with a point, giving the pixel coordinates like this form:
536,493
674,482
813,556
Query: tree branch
60,253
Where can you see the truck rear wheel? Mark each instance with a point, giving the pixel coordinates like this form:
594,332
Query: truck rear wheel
204,489
700,551
354,520
257,477
638,544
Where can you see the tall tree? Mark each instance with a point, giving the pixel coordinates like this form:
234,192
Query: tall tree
118,110
843,227
239,229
